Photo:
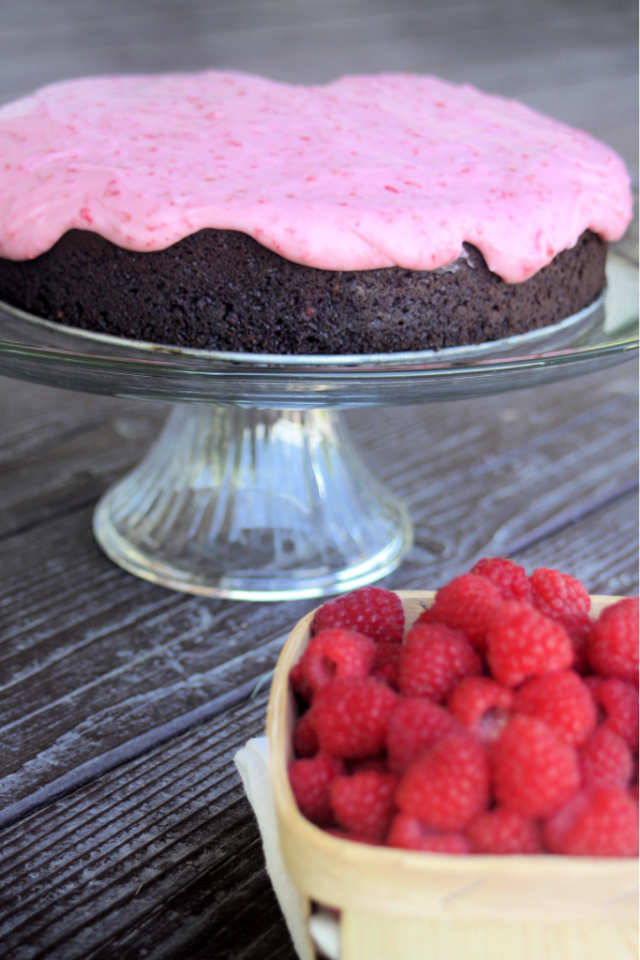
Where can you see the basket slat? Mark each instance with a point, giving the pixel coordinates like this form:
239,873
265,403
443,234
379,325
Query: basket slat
366,936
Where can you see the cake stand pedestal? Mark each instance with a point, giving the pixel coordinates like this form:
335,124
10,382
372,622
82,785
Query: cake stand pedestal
253,504
253,489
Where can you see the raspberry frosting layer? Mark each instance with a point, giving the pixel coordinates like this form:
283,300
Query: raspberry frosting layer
360,173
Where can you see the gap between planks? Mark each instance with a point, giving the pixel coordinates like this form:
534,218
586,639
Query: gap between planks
132,749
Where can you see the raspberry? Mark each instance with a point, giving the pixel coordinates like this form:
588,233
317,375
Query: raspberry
426,617
298,682
433,660
579,629
467,603
373,611
336,653
533,754
593,683
407,833
562,701
447,786
558,595
414,726
363,804
522,643
605,761
619,703
351,717
378,763
504,831
510,579
534,772
602,823
310,781
613,645
385,664
305,738
482,705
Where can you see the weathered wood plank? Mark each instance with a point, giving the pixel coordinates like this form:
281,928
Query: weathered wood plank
35,418
509,466
602,548
159,858
75,471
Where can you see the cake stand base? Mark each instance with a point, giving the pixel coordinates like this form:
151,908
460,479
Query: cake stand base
253,504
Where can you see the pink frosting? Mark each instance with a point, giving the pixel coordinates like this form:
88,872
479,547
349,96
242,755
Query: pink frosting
363,172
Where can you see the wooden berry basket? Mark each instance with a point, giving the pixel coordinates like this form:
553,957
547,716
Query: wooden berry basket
398,905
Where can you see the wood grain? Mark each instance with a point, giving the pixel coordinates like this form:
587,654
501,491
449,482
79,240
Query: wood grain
121,703
166,846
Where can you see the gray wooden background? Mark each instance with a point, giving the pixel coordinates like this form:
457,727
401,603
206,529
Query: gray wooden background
125,830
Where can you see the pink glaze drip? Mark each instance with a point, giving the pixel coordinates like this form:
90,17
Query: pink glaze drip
364,172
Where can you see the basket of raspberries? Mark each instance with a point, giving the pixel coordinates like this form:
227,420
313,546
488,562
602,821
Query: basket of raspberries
464,756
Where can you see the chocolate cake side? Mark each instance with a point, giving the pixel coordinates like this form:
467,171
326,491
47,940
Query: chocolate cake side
221,290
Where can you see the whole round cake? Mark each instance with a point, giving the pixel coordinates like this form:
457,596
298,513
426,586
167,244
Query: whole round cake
229,212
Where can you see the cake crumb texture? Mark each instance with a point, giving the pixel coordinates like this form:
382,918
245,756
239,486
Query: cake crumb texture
221,290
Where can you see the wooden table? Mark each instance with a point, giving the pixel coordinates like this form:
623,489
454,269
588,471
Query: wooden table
125,831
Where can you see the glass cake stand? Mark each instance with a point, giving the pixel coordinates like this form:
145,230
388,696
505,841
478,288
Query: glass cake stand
253,490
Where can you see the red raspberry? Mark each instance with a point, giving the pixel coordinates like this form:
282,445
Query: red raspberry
377,613
352,716
602,823
364,803
510,579
298,682
447,786
562,701
378,763
407,833
414,726
605,761
467,603
336,653
433,660
426,617
522,643
619,703
482,705
579,630
559,595
504,831
613,645
305,738
594,683
534,772
385,664
310,781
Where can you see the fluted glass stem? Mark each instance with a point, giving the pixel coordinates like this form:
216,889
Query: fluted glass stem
253,504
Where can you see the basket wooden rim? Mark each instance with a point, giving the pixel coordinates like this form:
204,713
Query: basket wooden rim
339,873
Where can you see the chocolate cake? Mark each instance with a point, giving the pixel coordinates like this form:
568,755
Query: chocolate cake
228,212
221,290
